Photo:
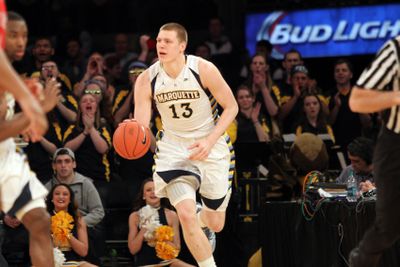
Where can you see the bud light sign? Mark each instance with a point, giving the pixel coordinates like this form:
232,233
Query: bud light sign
325,32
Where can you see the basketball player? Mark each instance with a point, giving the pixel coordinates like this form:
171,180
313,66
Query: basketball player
22,195
376,90
193,151
10,82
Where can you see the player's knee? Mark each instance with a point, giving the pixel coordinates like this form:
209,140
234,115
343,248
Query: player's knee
187,217
216,224
37,221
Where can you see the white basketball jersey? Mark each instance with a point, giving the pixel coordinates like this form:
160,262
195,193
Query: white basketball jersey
8,146
187,109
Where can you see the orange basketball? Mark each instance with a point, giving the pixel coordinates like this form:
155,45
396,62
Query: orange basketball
131,140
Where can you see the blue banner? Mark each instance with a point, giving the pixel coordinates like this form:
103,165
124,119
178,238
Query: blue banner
325,32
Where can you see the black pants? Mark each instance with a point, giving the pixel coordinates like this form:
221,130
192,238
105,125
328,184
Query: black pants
386,228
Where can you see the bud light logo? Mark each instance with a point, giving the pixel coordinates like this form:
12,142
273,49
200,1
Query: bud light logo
325,32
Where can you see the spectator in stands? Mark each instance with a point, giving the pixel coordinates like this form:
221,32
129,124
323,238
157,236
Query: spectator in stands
264,89
123,101
346,124
86,196
312,118
75,63
360,152
133,172
95,66
218,42
282,76
147,209
67,107
250,124
90,138
39,153
121,50
43,50
73,244
291,106
203,50
98,88
113,71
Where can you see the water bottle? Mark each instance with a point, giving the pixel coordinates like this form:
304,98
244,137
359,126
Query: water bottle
351,188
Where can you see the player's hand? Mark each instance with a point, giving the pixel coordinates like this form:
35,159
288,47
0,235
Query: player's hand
200,149
38,122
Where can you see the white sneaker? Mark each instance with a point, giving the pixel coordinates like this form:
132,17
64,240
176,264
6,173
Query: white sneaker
207,231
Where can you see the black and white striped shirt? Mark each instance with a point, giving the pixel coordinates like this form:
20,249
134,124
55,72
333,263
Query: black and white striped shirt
383,74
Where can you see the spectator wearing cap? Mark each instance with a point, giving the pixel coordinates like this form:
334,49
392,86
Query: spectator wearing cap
122,107
360,152
291,107
86,195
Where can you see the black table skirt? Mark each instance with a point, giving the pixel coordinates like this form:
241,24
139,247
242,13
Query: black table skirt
288,239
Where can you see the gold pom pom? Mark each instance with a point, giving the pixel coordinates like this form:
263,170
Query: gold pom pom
61,225
166,251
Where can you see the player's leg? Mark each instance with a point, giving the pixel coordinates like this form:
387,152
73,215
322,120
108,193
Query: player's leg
215,188
37,222
23,197
182,196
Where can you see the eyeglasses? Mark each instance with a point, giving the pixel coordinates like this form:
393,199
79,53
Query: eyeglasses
136,71
51,67
93,91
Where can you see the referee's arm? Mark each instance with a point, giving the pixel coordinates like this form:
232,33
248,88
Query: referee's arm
369,101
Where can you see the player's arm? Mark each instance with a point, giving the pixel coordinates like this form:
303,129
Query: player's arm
13,127
12,83
142,102
369,101
213,81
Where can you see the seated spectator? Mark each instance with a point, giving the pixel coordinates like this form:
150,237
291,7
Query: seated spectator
312,118
264,89
75,63
250,124
67,107
72,242
86,196
218,43
149,208
39,153
360,152
95,66
203,50
90,139
123,102
291,94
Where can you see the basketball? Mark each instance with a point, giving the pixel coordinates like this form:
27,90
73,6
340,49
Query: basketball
131,140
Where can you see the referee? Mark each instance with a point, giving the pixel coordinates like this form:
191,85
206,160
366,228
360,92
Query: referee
378,90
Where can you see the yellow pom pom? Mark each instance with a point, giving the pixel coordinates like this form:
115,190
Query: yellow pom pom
164,233
61,225
166,251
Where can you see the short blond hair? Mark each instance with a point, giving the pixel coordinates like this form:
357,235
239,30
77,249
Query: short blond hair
181,32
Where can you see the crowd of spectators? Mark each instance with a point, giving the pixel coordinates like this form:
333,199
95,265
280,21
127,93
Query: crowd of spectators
274,98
